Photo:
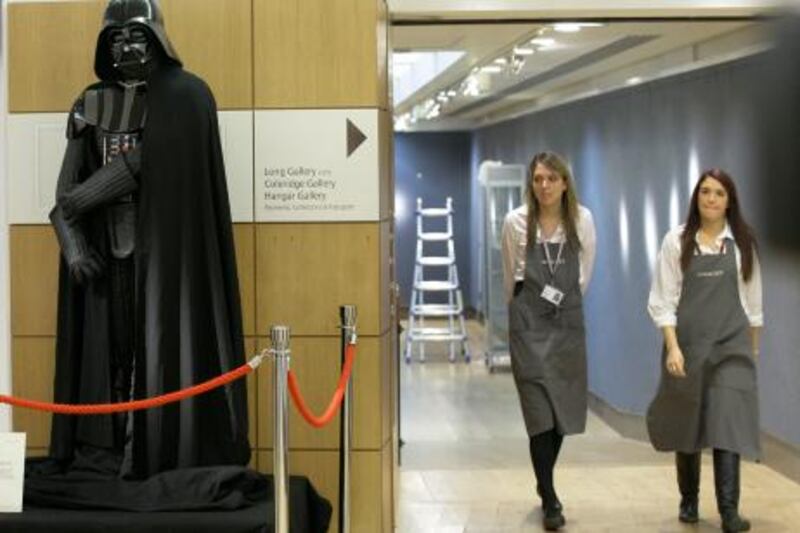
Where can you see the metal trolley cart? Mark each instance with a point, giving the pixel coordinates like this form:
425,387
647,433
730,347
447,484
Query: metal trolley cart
503,190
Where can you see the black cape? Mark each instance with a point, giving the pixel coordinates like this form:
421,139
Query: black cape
187,310
189,456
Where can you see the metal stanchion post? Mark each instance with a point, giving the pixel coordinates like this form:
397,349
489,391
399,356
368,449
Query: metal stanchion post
281,353
347,314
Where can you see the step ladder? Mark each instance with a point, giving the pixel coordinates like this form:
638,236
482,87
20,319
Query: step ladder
435,293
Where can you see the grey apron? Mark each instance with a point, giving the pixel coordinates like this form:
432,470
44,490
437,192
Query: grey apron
716,404
548,344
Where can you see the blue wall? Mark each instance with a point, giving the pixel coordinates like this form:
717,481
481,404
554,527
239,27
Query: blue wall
432,166
636,153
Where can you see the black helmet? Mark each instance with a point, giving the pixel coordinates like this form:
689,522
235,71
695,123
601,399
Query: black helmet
121,13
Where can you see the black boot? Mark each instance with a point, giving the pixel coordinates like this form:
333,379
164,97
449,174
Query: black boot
543,454
726,481
688,468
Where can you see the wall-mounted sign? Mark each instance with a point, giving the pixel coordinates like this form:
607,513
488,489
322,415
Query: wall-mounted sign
12,471
36,144
314,165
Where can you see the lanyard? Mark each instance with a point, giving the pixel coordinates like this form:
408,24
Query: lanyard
551,266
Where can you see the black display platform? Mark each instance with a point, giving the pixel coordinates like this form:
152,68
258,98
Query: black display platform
309,514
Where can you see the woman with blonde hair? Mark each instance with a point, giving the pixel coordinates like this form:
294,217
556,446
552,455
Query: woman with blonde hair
548,255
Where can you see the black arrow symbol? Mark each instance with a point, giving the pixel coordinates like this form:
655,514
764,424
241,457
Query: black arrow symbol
355,137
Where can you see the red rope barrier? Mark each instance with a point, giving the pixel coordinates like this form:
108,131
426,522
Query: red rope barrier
327,416
107,408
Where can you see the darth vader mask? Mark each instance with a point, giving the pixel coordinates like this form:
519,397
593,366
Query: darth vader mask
132,50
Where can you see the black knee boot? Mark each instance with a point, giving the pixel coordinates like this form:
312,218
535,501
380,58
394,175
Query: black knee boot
543,454
687,466
726,481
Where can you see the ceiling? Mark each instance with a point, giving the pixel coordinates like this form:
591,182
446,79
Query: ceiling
576,64
438,10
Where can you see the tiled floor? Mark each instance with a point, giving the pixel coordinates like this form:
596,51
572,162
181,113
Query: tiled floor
465,466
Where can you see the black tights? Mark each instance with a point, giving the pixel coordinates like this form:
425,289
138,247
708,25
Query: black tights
544,448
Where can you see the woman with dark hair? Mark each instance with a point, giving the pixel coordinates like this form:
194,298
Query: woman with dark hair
706,298
548,255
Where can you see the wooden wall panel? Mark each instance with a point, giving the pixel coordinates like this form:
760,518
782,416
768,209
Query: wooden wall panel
388,488
213,39
386,164
34,280
370,502
368,393
315,362
50,53
387,382
33,368
252,394
244,240
304,272
52,47
309,53
37,452
382,54
264,400
386,252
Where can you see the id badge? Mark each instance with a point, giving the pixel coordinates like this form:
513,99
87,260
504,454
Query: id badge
552,295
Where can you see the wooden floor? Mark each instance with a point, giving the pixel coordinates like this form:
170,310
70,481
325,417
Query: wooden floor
465,466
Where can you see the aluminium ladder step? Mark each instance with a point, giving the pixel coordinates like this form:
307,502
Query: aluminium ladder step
430,310
436,260
435,212
430,286
435,236
435,334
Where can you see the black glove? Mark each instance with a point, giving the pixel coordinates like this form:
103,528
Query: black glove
86,267
83,261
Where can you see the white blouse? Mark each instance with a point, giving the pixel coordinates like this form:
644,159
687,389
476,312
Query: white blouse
515,242
665,292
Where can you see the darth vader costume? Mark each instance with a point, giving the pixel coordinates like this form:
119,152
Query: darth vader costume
148,299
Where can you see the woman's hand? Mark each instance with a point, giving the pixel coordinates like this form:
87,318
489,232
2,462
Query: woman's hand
755,336
674,362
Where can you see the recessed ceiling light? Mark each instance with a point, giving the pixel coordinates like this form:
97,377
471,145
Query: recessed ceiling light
633,81
501,60
523,50
543,41
567,27
471,86
492,69
572,27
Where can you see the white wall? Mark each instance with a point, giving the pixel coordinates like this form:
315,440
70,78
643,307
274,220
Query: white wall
5,360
